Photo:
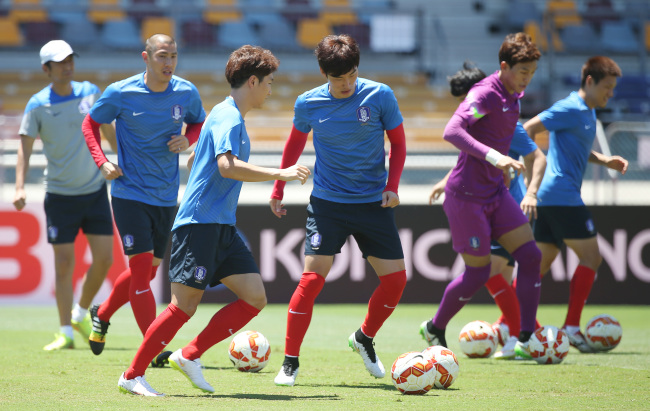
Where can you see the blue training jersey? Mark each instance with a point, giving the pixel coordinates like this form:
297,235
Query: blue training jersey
209,197
520,146
572,127
145,122
349,139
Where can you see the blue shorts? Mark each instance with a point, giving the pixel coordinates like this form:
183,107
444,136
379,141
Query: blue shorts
204,254
555,223
497,249
66,215
143,227
329,225
474,225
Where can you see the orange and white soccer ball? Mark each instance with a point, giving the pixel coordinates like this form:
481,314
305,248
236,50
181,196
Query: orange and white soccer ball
413,373
603,332
249,351
548,345
478,339
446,364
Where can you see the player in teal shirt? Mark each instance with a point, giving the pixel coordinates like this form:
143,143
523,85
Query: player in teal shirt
562,215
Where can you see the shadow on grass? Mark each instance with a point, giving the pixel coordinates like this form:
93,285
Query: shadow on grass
266,397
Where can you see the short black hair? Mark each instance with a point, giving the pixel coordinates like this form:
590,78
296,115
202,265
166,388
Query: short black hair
461,82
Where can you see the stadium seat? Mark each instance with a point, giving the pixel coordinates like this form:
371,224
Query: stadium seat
311,31
23,11
647,35
600,11
360,32
198,33
154,25
278,35
521,12
121,34
618,37
141,9
581,38
563,13
101,11
63,11
39,33
296,10
218,11
366,8
341,16
10,35
234,34
82,33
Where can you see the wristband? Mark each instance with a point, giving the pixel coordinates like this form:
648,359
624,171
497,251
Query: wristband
531,195
493,157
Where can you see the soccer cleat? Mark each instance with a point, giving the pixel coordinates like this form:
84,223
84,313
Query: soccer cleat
521,351
137,386
161,359
97,337
288,373
503,332
577,340
435,338
61,341
508,350
190,369
366,350
83,327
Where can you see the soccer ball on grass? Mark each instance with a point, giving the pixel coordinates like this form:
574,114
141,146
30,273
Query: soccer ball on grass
446,365
548,345
413,373
603,332
249,351
478,339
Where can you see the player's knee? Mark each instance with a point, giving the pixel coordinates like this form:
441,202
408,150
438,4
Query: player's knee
528,255
257,300
396,281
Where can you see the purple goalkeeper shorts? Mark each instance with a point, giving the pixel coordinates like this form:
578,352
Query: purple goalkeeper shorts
473,225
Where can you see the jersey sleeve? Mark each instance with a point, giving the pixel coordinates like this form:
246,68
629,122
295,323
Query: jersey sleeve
300,118
29,125
391,117
227,139
558,117
475,106
521,144
107,108
196,113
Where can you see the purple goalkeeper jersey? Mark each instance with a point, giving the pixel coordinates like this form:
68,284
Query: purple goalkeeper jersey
485,119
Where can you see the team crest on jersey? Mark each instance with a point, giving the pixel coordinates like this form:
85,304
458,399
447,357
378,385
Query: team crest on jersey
363,114
128,241
177,112
200,273
474,242
590,226
315,241
52,232
84,105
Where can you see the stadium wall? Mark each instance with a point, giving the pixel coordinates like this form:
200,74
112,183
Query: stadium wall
27,272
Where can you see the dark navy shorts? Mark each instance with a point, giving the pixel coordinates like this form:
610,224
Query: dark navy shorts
329,225
497,249
143,227
556,223
204,254
65,215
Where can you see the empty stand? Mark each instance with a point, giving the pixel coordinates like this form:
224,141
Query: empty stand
156,25
311,31
563,13
218,11
10,35
618,37
581,38
39,33
234,34
101,11
27,11
121,34
198,33
83,33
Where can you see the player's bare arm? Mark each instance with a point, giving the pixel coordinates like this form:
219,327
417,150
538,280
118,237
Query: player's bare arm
178,143
108,133
439,188
533,127
110,171
617,163
232,167
22,166
535,163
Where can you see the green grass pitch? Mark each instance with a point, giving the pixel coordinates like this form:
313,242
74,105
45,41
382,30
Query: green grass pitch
331,376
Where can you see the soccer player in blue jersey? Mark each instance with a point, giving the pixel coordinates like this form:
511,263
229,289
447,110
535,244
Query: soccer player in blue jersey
75,192
206,248
351,196
562,215
501,262
149,110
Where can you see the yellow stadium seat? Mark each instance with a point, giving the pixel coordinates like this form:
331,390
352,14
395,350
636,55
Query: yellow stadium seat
217,11
311,31
647,35
10,33
157,25
27,11
334,18
100,11
563,13
336,3
533,29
